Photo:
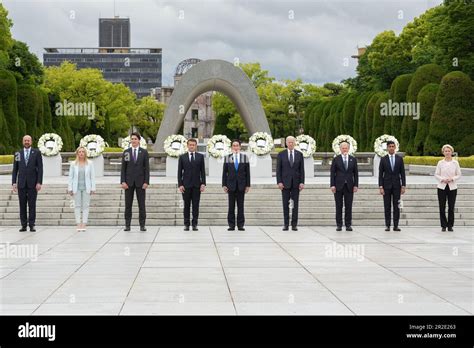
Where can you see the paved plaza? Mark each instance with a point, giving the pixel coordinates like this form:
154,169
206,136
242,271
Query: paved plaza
263,270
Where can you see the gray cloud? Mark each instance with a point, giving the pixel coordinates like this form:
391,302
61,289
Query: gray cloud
311,46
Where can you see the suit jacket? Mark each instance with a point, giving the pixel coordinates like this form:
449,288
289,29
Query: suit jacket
236,179
339,174
392,179
291,177
135,173
27,176
74,177
191,174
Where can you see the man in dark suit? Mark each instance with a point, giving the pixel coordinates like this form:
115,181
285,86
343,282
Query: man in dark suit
344,182
27,178
392,183
236,182
290,180
191,182
135,177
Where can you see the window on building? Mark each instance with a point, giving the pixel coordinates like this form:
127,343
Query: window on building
194,114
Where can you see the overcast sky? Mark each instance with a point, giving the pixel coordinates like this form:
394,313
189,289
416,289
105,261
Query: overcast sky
307,39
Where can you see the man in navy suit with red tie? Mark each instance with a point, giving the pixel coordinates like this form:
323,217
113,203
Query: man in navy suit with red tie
344,182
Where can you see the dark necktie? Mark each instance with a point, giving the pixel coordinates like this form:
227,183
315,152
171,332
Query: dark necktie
291,158
134,155
192,157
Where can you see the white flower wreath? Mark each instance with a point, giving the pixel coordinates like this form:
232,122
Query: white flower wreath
380,144
219,146
344,138
306,144
94,145
126,143
50,144
175,145
261,143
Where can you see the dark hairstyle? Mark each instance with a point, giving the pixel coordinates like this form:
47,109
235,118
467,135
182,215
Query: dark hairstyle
135,134
390,142
236,141
192,140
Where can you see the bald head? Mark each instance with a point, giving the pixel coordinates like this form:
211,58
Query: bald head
27,141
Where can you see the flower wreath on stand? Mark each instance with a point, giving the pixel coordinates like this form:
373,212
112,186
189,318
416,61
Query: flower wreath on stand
94,145
306,144
341,139
175,145
261,143
219,146
380,144
126,143
50,144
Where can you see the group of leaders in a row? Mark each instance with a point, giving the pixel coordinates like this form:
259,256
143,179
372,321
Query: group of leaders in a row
27,178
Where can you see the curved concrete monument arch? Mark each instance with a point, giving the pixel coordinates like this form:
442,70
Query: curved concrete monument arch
212,75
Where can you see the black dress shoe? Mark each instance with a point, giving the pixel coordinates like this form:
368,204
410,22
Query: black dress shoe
285,228
241,228
387,228
396,229
450,229
186,228
142,228
338,228
127,228
443,229
32,229
195,228
231,229
294,228
349,228
23,229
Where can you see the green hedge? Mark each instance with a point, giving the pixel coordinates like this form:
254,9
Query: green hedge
398,93
6,159
464,162
427,99
453,115
113,149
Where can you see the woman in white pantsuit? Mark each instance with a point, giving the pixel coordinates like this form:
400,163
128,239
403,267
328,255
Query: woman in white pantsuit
81,186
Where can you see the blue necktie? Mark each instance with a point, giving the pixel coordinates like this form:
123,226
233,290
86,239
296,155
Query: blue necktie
27,156
391,162
236,162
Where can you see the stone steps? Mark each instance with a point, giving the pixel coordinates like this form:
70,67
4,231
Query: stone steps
263,206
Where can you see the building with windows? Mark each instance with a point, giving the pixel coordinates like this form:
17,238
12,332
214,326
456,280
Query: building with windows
138,68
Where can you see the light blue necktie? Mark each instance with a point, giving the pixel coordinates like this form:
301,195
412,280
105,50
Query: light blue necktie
27,156
236,162
391,162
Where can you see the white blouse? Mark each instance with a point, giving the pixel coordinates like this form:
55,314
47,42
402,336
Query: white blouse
445,170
